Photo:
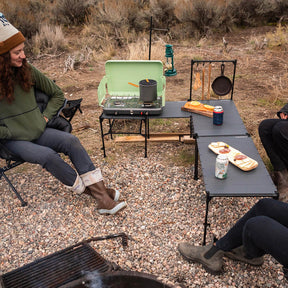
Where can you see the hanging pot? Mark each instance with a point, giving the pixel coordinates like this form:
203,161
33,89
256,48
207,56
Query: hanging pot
222,85
148,90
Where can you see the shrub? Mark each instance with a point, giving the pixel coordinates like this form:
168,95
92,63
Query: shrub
278,38
72,12
25,15
49,40
162,12
199,17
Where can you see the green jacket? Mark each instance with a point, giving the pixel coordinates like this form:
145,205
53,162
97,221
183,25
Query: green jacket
22,119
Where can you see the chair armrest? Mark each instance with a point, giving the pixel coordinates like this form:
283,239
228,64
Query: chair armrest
70,107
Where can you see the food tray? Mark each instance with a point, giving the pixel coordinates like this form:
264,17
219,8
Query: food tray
234,156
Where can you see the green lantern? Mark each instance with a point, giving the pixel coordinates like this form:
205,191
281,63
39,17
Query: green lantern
169,66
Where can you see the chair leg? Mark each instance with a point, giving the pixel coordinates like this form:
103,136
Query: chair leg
23,203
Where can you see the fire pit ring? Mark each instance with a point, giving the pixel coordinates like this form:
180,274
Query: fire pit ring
118,279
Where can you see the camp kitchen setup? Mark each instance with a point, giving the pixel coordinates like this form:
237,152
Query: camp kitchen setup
136,90
133,88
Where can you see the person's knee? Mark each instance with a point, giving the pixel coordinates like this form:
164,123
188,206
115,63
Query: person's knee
280,130
255,225
263,205
71,142
264,127
49,156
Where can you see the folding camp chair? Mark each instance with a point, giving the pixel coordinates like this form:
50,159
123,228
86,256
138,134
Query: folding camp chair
66,113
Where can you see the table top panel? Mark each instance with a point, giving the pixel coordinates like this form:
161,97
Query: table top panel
232,122
256,182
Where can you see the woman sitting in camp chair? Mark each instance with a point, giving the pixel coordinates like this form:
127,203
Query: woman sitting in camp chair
24,129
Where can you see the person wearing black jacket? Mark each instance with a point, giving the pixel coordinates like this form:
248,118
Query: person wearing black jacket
274,137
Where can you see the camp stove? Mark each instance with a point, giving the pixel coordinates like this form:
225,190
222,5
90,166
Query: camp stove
132,106
127,86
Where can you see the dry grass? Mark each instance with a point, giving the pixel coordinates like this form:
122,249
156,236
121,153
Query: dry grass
49,39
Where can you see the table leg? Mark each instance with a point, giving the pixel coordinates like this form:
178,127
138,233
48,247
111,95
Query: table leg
146,135
196,155
206,224
102,135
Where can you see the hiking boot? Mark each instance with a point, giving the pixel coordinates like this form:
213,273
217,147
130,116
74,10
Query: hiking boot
114,194
281,181
239,254
105,204
209,256
93,181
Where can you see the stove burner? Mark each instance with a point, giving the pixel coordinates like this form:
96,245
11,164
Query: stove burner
119,103
148,105
132,106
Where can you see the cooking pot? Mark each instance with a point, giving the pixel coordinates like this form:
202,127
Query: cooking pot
222,85
148,90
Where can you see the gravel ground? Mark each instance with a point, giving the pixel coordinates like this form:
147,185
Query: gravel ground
165,206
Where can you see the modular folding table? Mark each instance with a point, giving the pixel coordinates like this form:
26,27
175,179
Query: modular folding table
172,109
202,126
232,132
239,183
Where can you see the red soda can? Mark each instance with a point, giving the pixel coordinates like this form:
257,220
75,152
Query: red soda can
218,115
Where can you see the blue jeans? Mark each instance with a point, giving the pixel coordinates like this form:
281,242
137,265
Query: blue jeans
45,149
262,230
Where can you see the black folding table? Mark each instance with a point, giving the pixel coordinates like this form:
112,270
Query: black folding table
239,183
202,126
232,132
172,109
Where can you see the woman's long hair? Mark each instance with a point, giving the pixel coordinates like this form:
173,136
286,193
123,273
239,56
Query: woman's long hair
9,76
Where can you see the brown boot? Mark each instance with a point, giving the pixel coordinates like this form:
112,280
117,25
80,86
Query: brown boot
113,194
281,181
105,204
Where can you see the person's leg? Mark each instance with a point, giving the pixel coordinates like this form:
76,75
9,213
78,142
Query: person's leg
264,235
49,159
280,138
211,256
271,208
267,136
68,144
44,156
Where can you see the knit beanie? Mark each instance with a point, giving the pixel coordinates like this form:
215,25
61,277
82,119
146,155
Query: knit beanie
10,37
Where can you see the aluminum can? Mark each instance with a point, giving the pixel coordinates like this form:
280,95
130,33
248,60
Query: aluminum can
221,166
218,115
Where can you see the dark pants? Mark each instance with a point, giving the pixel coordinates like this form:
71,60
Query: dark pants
274,137
45,149
262,230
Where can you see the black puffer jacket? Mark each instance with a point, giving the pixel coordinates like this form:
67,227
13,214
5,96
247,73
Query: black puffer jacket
58,121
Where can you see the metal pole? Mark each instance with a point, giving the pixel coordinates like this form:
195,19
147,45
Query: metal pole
150,38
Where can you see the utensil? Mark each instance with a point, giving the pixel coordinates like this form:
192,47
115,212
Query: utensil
209,81
203,82
135,85
197,83
222,85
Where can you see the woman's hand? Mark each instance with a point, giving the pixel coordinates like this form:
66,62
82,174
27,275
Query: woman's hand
283,116
46,119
